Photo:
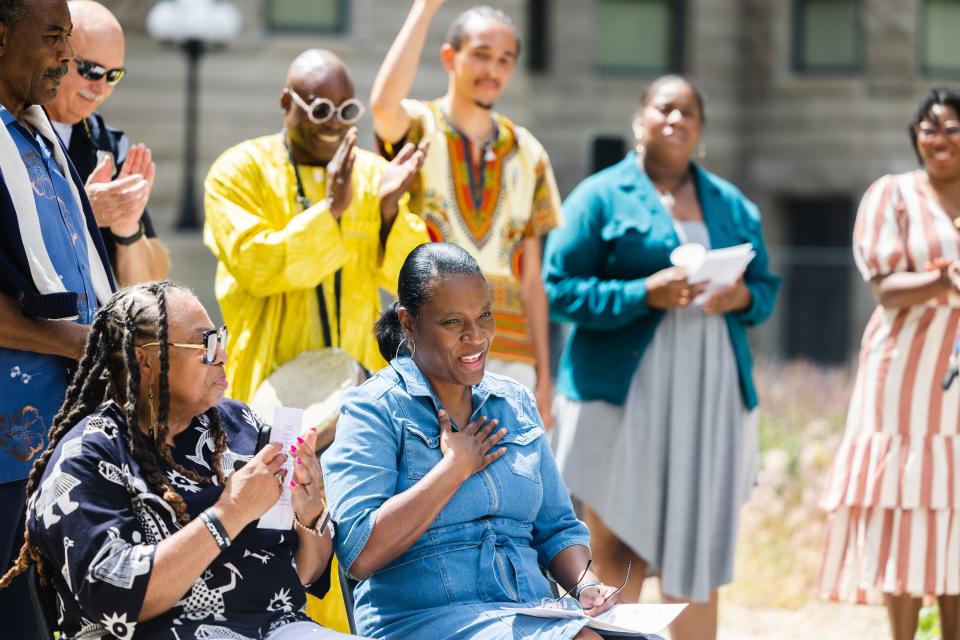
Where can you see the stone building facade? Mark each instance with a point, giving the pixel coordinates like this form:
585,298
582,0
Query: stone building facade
807,104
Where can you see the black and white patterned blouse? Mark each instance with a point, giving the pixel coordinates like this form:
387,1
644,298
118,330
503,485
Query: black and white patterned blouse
97,522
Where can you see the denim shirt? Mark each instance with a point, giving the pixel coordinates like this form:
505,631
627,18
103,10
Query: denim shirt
491,542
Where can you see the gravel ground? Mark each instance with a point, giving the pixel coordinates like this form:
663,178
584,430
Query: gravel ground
817,619
821,620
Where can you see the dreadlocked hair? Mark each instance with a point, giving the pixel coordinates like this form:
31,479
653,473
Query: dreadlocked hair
108,371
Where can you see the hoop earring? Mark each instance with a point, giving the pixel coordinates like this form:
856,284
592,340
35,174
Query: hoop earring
400,346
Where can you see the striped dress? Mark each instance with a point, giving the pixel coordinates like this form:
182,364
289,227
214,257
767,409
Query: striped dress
894,489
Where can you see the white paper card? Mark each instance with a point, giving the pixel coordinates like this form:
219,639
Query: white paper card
621,618
717,269
286,427
642,618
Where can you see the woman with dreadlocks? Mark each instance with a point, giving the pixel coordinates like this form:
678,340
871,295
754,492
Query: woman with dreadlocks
142,512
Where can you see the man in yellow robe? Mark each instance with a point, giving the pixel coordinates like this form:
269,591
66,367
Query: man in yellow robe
306,229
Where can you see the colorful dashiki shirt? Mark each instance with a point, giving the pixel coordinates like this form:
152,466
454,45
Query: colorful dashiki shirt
489,210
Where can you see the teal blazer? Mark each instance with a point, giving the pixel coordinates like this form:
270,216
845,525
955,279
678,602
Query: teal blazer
616,233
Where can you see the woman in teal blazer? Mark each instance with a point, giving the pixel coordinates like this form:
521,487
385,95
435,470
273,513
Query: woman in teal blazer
655,433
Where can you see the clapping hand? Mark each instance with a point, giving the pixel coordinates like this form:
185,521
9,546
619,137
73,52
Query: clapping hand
119,203
340,174
398,176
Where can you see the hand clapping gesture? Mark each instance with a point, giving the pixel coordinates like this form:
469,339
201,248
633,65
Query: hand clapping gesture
340,174
397,178
119,203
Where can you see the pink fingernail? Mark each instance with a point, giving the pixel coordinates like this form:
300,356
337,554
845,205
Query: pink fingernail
314,429
293,449
299,461
293,485
300,440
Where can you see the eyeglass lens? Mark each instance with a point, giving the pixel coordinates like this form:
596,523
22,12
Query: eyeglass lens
93,71
348,112
215,340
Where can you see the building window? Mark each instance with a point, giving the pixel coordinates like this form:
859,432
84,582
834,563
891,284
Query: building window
827,36
638,35
536,44
306,15
606,151
817,268
940,47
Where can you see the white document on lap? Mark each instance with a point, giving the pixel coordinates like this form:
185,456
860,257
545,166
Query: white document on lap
624,619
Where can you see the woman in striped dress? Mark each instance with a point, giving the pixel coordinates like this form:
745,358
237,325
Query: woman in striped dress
894,490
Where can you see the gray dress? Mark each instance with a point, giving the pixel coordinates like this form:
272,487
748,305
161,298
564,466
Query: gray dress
668,471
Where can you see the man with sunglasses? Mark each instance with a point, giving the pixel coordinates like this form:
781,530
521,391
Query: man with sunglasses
118,176
307,229
486,183
54,272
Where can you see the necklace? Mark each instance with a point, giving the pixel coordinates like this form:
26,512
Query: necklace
302,198
667,198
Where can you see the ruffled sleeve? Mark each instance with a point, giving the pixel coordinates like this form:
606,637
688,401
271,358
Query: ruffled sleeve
878,237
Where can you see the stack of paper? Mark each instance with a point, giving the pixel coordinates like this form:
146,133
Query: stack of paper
716,269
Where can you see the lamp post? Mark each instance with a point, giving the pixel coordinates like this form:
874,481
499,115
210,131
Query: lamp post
195,26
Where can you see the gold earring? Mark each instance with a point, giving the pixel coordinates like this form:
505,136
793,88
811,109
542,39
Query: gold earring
153,413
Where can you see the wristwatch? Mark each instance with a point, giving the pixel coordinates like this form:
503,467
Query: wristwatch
128,240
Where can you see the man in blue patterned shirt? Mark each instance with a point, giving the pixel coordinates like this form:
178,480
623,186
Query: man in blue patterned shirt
53,267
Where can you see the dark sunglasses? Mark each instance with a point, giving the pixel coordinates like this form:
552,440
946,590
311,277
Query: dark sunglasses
212,341
93,71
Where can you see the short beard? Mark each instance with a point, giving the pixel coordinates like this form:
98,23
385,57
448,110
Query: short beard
488,107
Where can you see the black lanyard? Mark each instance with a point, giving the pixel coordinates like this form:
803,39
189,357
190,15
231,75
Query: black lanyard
305,204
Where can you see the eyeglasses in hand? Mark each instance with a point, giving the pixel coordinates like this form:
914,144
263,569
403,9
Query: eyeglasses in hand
569,603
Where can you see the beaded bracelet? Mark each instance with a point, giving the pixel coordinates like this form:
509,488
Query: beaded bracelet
216,528
317,530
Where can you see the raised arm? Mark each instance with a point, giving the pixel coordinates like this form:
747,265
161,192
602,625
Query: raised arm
399,68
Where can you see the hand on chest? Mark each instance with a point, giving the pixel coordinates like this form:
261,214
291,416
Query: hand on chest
510,487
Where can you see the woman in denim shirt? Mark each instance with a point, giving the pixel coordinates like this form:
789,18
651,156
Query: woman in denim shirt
445,525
